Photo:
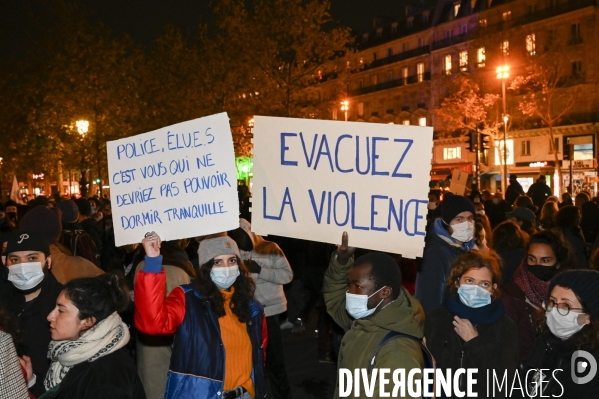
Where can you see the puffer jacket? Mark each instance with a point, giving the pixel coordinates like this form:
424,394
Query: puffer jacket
197,367
362,337
275,272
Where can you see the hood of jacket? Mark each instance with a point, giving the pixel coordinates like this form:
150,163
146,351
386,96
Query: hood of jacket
444,235
404,314
247,227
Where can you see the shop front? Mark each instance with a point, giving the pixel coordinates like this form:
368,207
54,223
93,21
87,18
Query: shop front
583,174
529,172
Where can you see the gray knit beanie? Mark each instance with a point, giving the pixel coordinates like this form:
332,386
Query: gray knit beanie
212,247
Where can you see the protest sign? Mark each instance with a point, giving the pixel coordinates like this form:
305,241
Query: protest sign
179,181
459,182
314,179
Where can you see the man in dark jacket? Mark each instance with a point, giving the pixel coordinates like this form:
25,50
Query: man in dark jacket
31,297
539,192
513,191
452,234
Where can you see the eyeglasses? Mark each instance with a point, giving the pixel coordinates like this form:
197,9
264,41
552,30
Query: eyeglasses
562,308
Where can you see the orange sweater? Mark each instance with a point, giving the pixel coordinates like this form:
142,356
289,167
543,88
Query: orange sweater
238,348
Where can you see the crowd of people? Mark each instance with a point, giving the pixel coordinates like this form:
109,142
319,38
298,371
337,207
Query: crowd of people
504,284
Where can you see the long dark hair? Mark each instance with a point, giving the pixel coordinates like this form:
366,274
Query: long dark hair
9,324
244,291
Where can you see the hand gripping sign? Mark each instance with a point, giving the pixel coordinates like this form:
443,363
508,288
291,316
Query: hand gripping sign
179,181
314,179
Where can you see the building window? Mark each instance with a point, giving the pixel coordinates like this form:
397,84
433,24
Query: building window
410,23
447,68
389,52
532,8
374,56
378,33
531,48
464,29
583,152
482,23
404,74
405,122
456,9
463,61
335,113
525,147
420,71
507,15
576,68
405,47
361,60
575,37
448,34
394,29
421,42
425,17
422,121
505,47
452,153
555,145
481,57
364,37
375,79
361,83
389,76
360,108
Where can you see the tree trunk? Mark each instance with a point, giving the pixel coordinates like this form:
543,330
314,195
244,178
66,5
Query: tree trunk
556,160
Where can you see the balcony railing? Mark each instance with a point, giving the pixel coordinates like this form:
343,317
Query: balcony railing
398,57
392,83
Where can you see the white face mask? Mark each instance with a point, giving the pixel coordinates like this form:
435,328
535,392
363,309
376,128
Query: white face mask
224,277
563,326
357,305
474,296
463,232
431,206
25,276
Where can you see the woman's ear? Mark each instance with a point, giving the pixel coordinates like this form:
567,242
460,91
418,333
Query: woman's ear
86,324
586,319
457,283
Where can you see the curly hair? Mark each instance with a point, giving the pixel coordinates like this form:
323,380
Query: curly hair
559,246
475,260
506,236
244,291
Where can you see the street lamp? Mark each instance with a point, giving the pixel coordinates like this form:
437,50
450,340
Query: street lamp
345,107
82,127
503,72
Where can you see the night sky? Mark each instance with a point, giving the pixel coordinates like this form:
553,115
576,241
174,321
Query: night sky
144,19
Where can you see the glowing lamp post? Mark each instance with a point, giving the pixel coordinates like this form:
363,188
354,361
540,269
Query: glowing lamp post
345,108
82,127
503,72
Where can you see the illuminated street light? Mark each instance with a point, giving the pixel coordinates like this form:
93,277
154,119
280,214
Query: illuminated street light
503,72
251,123
82,126
345,107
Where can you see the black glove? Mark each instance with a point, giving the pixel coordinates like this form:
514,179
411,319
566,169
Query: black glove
252,266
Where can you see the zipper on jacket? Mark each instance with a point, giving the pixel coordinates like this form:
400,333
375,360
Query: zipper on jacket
461,366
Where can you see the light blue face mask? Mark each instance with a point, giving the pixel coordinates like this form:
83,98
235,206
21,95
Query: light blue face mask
474,296
224,277
357,305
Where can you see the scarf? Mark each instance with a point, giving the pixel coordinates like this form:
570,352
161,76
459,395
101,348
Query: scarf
488,314
443,234
534,289
102,339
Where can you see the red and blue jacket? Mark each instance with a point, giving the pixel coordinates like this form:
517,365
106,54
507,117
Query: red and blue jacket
197,367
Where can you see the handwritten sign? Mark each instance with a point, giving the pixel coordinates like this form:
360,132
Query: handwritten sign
179,181
314,179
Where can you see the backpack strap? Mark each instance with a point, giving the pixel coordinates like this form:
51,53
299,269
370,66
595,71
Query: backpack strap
429,361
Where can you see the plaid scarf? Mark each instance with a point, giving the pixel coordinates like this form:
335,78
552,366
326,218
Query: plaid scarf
534,289
102,339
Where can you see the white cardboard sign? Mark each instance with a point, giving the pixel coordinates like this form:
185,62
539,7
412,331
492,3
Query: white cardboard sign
314,179
179,181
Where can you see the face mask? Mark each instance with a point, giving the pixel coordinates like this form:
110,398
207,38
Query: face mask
476,200
463,232
496,201
25,276
431,206
474,296
357,305
224,277
563,326
543,273
93,211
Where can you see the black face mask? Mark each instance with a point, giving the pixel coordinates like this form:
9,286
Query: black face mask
12,216
543,273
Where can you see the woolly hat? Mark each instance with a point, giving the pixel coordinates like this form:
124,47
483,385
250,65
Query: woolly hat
584,283
70,212
522,214
212,247
453,205
43,220
21,240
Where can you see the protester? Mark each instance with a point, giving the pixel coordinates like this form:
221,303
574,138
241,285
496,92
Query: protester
12,211
580,199
548,213
567,223
89,223
154,351
566,200
270,270
524,201
471,329
452,234
571,324
64,267
15,373
513,191
217,323
509,242
366,298
29,295
524,218
88,339
496,209
6,224
546,253
539,191
589,222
